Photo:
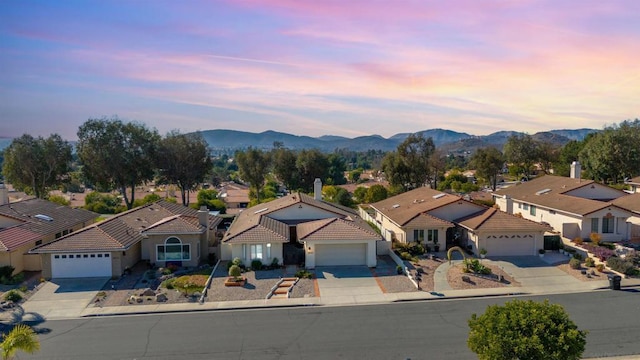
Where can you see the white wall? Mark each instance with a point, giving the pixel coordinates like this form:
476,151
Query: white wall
236,252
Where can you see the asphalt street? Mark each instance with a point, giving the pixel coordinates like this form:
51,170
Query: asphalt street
409,330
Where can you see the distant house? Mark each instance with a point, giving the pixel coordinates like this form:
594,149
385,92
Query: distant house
432,218
634,184
161,233
235,197
574,207
31,222
300,229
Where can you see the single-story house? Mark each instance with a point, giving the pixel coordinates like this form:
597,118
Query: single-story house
631,203
32,222
634,183
161,233
235,197
433,218
572,206
300,229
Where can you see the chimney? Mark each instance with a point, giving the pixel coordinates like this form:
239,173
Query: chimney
576,170
509,202
4,195
203,216
317,189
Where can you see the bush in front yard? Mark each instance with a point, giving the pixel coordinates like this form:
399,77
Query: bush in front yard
235,271
590,262
304,274
13,296
190,284
256,264
574,263
624,266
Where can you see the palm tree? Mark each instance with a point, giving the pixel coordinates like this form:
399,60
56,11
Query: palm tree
21,337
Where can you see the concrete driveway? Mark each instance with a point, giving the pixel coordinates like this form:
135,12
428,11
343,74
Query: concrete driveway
63,298
341,284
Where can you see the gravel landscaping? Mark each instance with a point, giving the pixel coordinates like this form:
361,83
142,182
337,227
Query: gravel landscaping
455,274
577,273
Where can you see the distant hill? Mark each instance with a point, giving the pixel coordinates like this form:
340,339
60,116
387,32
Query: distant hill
446,140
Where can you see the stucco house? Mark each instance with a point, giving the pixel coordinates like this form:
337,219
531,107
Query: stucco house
634,183
31,222
572,206
433,217
235,197
300,229
160,233
631,203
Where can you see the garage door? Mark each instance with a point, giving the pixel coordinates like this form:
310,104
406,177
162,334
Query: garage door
81,265
510,247
341,254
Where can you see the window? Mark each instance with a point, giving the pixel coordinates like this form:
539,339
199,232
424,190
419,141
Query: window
418,235
525,206
39,242
173,250
256,251
432,235
106,255
607,225
269,251
56,256
594,225
85,255
532,210
519,206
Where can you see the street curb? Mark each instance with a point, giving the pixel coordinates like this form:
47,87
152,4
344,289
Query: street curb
197,310
463,297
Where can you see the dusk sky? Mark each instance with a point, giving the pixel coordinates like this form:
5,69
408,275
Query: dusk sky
318,67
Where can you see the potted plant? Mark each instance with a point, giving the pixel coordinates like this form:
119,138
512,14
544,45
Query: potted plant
399,270
483,253
541,252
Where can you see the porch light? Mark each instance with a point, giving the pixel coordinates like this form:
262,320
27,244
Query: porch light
268,245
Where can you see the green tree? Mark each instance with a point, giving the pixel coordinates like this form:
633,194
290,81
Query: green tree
568,154
438,165
376,193
103,203
525,330
396,170
354,175
338,195
411,165
284,168
311,164
209,198
117,155
21,337
521,151
147,199
337,167
60,200
488,163
183,159
548,154
253,165
360,193
35,165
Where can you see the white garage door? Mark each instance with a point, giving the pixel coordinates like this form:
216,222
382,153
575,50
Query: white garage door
510,247
81,265
341,254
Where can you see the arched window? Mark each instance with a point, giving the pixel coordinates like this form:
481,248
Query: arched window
173,250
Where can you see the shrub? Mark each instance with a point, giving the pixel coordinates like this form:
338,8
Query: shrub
235,271
624,266
304,274
608,245
236,261
13,296
475,266
405,256
190,284
589,262
578,256
275,263
211,259
595,238
574,263
600,267
256,264
578,241
6,271
168,283
603,253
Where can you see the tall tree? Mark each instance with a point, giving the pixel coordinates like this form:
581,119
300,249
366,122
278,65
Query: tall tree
311,164
21,337
521,151
568,154
183,159
438,165
253,165
117,154
488,163
410,166
36,165
284,168
525,330
396,171
337,167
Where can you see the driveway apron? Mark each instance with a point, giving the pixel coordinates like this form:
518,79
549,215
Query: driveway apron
537,275
63,298
340,284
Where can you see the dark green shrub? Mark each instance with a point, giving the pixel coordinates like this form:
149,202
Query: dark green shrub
256,264
275,263
405,255
574,263
608,245
13,296
578,256
304,274
211,259
590,262
6,271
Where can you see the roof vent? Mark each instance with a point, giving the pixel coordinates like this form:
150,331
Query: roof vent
438,196
395,206
261,211
543,191
44,217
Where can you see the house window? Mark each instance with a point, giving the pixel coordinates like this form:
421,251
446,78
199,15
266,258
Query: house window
432,235
532,210
519,206
269,251
256,251
173,250
607,225
594,225
525,206
418,235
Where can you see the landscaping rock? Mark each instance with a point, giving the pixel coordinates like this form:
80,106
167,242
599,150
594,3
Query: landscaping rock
148,292
161,298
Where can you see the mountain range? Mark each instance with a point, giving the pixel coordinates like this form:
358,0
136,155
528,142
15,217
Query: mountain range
446,140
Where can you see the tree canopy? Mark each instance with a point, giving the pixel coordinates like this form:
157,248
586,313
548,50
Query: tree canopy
525,330
410,166
21,337
253,165
488,163
183,159
118,154
521,151
35,165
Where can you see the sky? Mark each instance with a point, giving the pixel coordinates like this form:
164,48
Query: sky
319,67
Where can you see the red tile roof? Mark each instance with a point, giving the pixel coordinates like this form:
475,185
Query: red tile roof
16,236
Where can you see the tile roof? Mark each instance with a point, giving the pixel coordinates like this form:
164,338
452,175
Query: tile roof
125,229
491,219
251,218
630,202
549,191
336,229
13,237
635,180
423,220
62,217
176,224
404,207
265,229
